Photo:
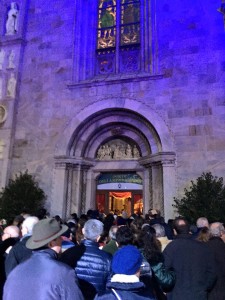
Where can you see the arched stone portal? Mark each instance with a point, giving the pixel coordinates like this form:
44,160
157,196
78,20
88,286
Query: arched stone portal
77,166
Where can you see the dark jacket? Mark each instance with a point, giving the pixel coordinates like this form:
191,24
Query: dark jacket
165,278
111,247
17,254
92,267
42,277
217,246
3,247
126,291
194,266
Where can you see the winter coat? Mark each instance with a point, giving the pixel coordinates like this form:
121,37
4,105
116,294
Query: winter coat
10,242
217,246
17,254
111,247
194,266
126,291
165,278
42,277
92,267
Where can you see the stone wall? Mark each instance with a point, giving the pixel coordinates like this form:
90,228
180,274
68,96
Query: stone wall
186,96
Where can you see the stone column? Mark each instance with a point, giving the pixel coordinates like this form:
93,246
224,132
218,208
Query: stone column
59,191
169,187
157,187
70,186
162,181
147,188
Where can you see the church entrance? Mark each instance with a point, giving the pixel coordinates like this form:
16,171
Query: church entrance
115,160
119,193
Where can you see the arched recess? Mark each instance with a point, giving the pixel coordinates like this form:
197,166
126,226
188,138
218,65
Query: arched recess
77,166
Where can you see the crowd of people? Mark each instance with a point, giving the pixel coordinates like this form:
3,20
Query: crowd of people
106,257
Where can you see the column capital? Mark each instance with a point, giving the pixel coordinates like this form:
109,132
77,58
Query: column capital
160,158
67,163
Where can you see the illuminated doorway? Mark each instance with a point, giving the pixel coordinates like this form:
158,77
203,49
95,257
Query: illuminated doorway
118,192
119,201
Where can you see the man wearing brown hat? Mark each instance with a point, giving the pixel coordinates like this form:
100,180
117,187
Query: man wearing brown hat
42,276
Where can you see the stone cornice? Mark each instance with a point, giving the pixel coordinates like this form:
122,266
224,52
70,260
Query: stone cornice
161,158
72,163
12,40
116,79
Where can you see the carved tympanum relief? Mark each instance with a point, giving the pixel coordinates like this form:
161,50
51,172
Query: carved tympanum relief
118,150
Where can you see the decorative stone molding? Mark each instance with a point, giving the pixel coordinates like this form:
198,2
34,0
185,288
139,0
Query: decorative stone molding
72,163
3,114
2,145
161,158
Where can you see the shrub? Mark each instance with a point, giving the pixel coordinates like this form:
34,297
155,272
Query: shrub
205,198
21,195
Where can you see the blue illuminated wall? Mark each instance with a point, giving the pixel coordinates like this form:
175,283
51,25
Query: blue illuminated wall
182,87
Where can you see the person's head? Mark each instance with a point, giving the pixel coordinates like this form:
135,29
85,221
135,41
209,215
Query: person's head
148,242
124,236
28,224
112,232
202,222
216,229
11,231
92,229
18,220
58,219
46,234
120,221
154,213
159,230
181,226
137,223
127,261
203,235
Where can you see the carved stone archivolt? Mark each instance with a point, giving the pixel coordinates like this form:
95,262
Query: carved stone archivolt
118,150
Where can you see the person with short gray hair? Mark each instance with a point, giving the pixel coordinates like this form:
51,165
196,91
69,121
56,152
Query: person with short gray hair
161,235
92,229
202,222
19,251
216,229
91,264
111,247
217,247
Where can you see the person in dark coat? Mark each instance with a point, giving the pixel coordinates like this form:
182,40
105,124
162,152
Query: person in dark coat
92,266
10,236
111,247
125,283
19,251
217,246
192,262
42,276
162,280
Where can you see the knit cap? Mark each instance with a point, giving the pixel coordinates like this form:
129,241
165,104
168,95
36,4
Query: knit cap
127,260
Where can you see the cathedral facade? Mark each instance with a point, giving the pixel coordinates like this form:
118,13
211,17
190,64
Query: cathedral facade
112,104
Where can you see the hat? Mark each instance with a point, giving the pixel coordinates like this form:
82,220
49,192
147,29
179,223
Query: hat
127,260
44,232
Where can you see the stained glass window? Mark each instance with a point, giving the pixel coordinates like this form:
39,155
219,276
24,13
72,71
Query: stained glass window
118,36
106,24
130,22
